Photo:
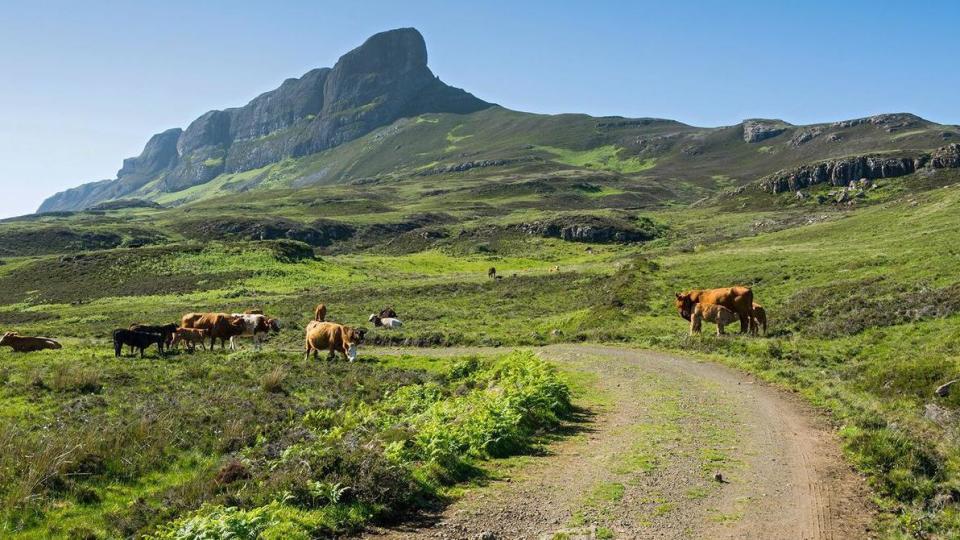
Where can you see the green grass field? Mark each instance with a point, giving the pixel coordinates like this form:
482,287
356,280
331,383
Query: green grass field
863,304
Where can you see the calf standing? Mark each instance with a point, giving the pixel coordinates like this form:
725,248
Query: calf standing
190,336
714,313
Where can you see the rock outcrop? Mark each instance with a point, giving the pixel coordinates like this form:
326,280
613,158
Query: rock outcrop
840,172
761,130
594,229
384,79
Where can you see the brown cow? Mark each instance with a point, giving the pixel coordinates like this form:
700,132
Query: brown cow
27,344
759,319
332,337
719,315
737,299
190,336
320,313
218,326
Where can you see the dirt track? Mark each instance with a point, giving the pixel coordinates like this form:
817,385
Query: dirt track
643,460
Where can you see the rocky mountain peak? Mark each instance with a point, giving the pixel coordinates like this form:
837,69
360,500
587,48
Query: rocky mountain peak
384,79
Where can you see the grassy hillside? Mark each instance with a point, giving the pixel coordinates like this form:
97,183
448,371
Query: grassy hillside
663,160
862,301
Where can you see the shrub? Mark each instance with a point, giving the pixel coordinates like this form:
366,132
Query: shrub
272,382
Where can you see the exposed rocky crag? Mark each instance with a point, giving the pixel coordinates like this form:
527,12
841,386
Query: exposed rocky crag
594,229
761,130
320,233
840,172
384,79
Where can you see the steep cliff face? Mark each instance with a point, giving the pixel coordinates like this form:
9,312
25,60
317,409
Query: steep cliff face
840,172
384,79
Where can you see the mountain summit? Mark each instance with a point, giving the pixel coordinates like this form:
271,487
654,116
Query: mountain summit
384,79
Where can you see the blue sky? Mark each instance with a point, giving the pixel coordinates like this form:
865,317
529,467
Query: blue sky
84,85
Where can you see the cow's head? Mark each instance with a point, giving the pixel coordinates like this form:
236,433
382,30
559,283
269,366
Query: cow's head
273,325
375,319
6,337
684,305
352,337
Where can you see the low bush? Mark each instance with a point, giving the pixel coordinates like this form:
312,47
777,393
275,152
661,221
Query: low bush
364,462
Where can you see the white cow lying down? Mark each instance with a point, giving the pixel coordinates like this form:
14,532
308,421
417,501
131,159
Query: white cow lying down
385,322
256,327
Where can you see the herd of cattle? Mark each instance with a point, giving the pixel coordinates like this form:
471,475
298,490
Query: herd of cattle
720,306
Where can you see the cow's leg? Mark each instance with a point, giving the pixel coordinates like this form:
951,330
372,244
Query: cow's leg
117,348
720,326
744,322
233,344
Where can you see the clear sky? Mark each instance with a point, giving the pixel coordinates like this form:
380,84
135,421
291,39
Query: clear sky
84,84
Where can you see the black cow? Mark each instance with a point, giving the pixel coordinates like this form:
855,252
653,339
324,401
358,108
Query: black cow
135,339
166,330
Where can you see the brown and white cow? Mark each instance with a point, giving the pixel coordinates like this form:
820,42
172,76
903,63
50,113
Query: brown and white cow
255,326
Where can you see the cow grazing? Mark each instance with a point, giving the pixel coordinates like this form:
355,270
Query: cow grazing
385,322
332,337
737,299
714,313
256,327
218,326
26,343
320,313
190,336
138,340
758,320
492,273
166,330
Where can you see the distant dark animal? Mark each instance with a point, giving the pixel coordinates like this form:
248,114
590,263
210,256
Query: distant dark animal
388,312
737,299
253,312
499,278
138,340
26,343
333,338
190,336
166,330
758,320
944,389
492,273
320,313
714,313
385,322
